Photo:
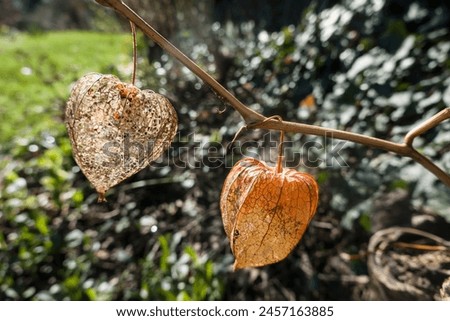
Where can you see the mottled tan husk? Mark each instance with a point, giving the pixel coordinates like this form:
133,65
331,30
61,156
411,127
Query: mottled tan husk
116,129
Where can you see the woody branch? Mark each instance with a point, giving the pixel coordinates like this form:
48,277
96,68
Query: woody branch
254,119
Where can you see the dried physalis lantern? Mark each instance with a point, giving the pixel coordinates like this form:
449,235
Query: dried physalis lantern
266,210
116,129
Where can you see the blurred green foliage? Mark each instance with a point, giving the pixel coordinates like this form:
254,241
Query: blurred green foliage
184,277
43,255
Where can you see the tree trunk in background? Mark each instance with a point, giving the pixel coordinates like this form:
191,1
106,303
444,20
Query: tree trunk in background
10,14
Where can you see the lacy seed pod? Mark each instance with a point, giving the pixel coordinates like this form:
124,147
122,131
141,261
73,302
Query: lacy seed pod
116,129
266,212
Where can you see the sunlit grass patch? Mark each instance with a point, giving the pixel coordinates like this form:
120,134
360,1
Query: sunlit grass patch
36,72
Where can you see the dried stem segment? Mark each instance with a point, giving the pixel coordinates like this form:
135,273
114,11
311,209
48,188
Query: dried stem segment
133,32
256,120
427,125
279,166
249,115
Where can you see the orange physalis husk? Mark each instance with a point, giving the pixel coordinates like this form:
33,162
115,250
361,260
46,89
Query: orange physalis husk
266,212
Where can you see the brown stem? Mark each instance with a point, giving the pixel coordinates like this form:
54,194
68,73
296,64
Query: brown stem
420,247
256,120
133,32
426,125
400,149
280,153
330,132
249,115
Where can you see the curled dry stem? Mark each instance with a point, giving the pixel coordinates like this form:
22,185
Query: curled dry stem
427,125
254,119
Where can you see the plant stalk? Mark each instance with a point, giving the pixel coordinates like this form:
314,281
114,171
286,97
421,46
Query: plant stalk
254,119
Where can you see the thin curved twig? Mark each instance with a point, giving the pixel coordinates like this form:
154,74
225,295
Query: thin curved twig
133,33
254,119
248,114
427,125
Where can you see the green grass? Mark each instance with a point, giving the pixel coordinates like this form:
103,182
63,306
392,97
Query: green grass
36,72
